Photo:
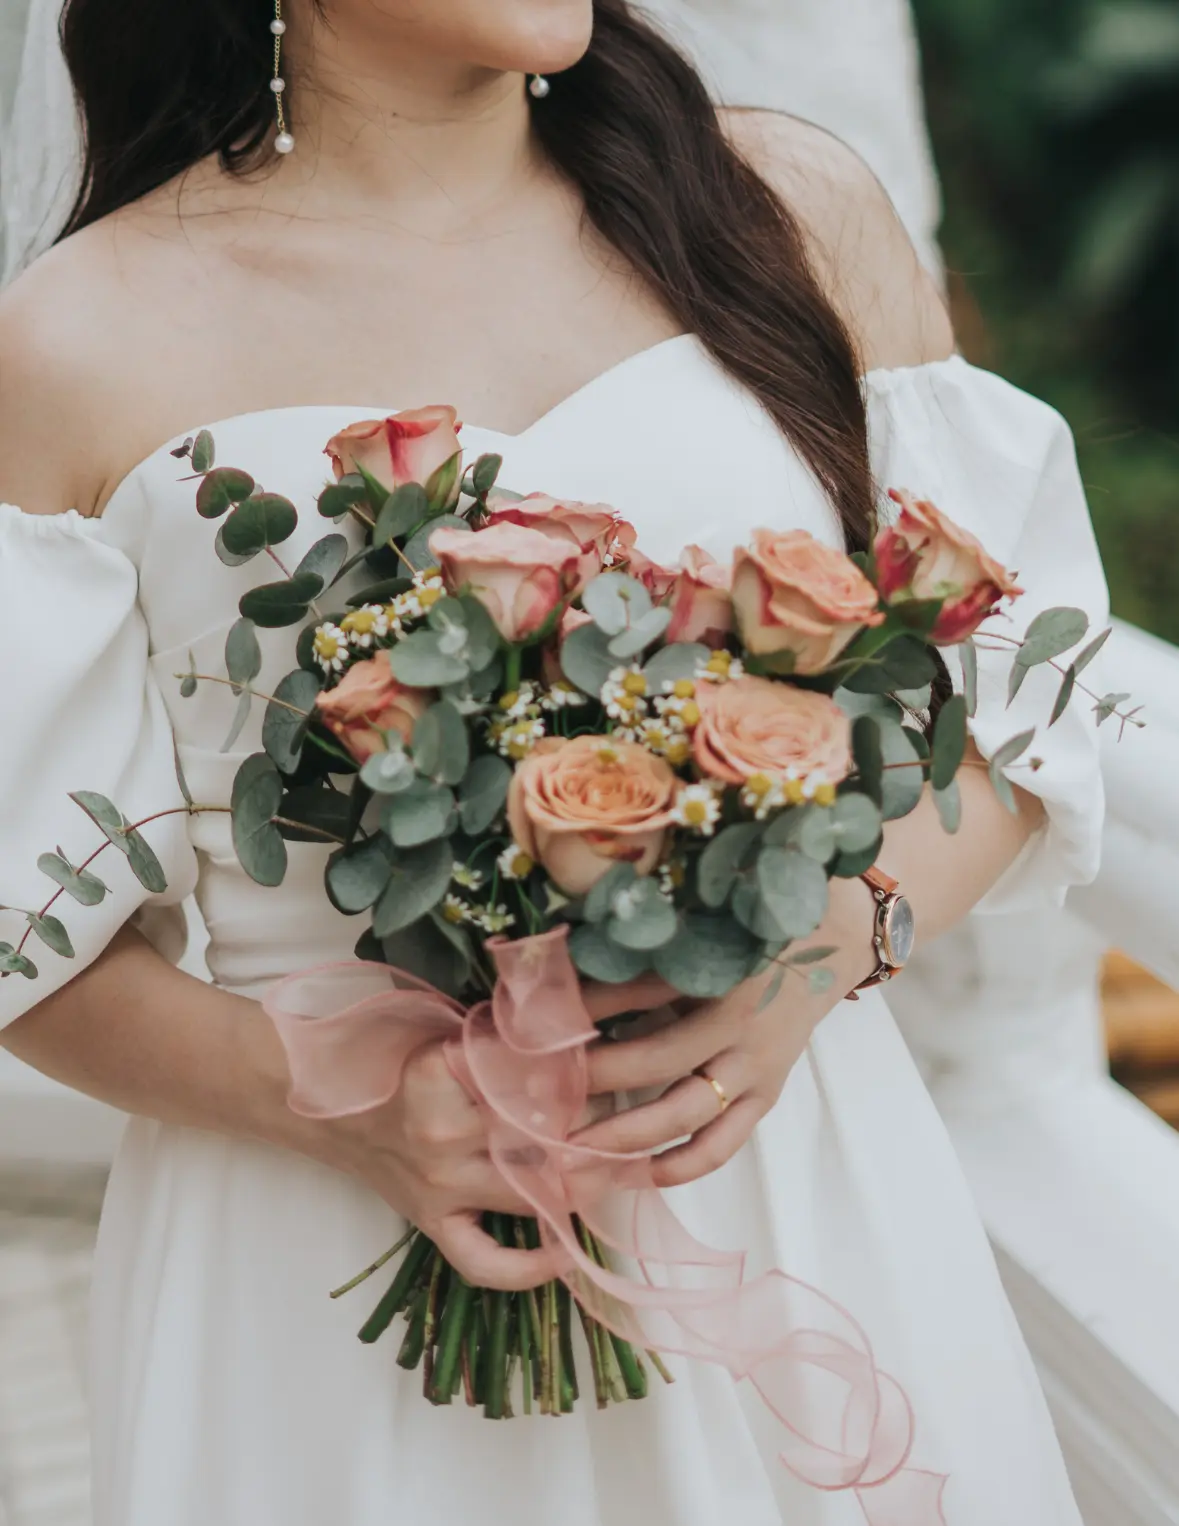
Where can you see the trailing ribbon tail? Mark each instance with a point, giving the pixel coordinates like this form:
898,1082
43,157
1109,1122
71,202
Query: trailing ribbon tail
349,1030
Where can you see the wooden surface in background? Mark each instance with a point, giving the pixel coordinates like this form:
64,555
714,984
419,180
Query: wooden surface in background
1142,1023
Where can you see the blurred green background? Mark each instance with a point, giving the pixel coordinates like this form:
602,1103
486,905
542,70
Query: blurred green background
1056,127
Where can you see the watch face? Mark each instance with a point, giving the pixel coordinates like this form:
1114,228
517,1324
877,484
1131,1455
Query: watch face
900,933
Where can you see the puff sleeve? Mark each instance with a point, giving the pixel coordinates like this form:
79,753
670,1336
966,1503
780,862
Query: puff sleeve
1003,465
81,712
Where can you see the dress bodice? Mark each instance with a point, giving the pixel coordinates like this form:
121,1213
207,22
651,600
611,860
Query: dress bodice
675,445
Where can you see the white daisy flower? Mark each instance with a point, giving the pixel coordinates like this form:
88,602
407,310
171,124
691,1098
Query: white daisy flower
720,668
495,919
520,704
562,696
517,740
514,864
469,879
624,695
697,808
428,588
363,626
330,647
678,707
456,910
762,794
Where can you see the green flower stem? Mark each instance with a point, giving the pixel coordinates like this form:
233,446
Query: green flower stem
414,1341
553,1321
570,1392
396,1298
381,1261
513,665
532,1307
496,1403
630,1364
593,1337
657,1362
457,1323
471,1357
433,1299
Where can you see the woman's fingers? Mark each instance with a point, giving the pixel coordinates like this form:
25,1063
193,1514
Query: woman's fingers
483,1261
606,1001
691,1105
712,1148
666,1055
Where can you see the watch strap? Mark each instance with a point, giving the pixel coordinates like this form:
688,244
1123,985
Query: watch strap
883,888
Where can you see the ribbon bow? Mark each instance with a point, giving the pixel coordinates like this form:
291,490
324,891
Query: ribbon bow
348,1031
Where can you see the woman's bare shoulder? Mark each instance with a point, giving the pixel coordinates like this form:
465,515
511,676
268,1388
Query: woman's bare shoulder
859,245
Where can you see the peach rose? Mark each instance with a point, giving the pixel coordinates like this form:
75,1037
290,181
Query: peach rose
927,556
369,701
793,594
753,726
519,576
578,807
656,579
594,528
408,447
701,604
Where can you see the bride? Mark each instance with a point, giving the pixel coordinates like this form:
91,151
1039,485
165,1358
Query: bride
291,219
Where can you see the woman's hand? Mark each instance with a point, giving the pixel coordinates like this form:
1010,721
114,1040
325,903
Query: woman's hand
425,1152
724,1063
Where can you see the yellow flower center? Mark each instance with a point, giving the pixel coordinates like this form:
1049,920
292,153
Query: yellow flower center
627,702
759,785
635,683
696,813
508,700
678,752
326,645
607,755
685,689
522,866
794,791
720,663
825,794
453,911
428,597
690,714
362,621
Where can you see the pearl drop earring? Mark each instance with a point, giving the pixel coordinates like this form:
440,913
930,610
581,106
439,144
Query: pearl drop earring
284,142
539,87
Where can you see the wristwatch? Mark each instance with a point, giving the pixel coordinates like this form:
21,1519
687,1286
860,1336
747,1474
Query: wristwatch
894,932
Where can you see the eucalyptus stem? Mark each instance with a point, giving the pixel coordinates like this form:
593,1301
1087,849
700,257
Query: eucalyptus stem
381,1261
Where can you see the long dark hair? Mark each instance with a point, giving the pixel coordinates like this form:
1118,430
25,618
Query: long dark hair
162,86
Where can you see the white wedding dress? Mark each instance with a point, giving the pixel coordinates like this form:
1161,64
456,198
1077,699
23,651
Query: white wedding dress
227,1389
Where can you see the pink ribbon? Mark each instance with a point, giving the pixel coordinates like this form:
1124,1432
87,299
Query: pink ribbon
348,1031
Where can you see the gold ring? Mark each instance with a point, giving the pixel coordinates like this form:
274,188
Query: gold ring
722,1096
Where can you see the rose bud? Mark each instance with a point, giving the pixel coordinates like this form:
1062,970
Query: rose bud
754,727
657,580
701,604
594,528
579,807
519,576
794,594
369,701
925,555
408,447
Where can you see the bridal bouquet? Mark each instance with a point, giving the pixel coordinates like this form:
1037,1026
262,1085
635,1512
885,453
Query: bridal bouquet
538,755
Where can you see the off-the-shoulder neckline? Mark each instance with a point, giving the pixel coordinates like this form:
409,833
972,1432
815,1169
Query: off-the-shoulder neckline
878,379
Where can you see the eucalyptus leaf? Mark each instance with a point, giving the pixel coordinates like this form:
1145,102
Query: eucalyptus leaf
585,659
417,550
52,933
105,814
752,913
255,800
389,772
339,497
856,822
85,887
420,662
682,659
380,593
949,743
642,919
598,958
420,879
818,839
599,903
243,655
772,991
189,683
483,793
642,634
325,559
284,730
808,956
267,519
324,813
793,890
221,489
441,746
204,452
719,864
228,557
905,663
949,806
709,956
615,602
403,511
1091,651
968,655
1006,755
1052,631
420,814
1107,706
1064,695
903,778
241,716
356,876
785,831
12,963
485,471
483,639
868,752
274,605
1015,681
145,866
434,950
